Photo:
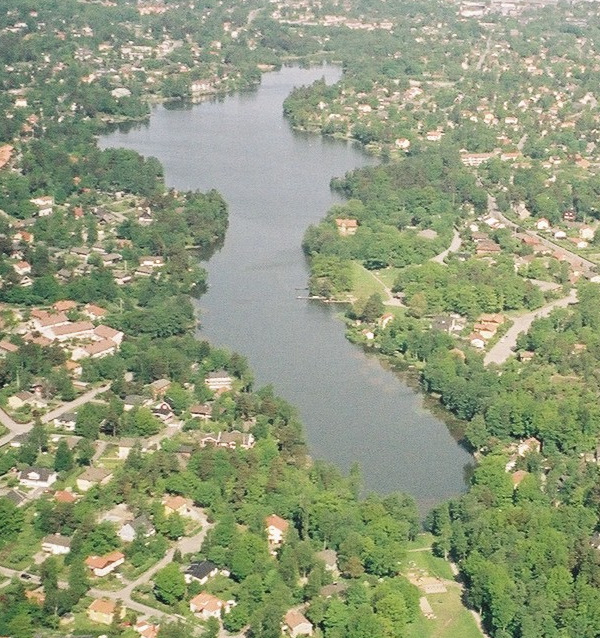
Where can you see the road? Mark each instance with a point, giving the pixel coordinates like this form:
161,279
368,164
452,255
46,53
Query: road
574,259
504,348
455,245
483,56
186,545
21,428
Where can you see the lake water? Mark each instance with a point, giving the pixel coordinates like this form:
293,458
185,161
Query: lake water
276,183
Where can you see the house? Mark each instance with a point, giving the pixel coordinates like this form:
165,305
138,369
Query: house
22,268
95,350
276,527
44,205
163,411
218,381
19,440
475,159
139,527
231,440
146,629
64,305
93,476
517,477
37,477
329,557
385,319
36,596
296,624
17,497
71,330
587,233
178,505
346,227
476,340
133,401
569,216
159,387
104,565
200,572
124,447
66,421
62,496
208,606
434,136
529,445
102,611
56,544
542,224
44,320
7,348
201,411
106,332
94,312
152,261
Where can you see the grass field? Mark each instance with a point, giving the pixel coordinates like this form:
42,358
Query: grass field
452,618
364,284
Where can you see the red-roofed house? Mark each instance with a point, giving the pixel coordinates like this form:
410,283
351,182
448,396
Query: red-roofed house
103,611
296,624
208,606
104,565
276,528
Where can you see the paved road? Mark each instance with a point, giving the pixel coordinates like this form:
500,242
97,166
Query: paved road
21,428
504,348
186,545
455,244
573,258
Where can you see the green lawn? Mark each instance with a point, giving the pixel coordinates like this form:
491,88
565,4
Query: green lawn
364,284
452,618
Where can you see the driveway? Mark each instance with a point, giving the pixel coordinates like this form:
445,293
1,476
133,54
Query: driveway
504,348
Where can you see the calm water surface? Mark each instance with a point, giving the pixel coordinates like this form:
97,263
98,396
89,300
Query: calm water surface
276,183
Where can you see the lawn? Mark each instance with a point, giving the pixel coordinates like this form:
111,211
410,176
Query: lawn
452,618
364,284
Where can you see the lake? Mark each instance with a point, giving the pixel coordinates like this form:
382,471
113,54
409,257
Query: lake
276,183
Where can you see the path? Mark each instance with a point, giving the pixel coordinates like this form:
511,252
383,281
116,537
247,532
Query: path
484,54
455,244
391,300
504,348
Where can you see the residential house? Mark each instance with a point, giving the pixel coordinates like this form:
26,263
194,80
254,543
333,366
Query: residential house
329,557
218,381
276,527
66,421
95,350
542,224
159,387
44,205
56,544
71,330
138,527
103,565
296,624
201,411
43,320
93,476
133,401
102,611
106,332
587,233
346,227
475,159
37,477
517,477
94,312
529,445
22,268
23,398
200,572
476,340
146,629
62,496
7,348
64,305
178,505
19,440
231,440
208,606
163,411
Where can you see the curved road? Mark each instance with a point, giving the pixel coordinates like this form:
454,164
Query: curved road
504,348
455,244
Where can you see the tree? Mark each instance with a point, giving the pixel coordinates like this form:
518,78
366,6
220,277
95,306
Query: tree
169,584
373,308
11,520
63,459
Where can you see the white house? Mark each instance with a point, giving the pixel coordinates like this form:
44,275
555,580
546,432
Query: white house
56,544
104,565
296,624
276,527
37,477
